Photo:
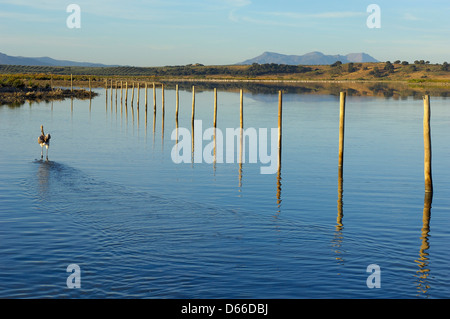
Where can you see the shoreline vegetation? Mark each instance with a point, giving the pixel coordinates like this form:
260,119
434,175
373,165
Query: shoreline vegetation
15,91
398,79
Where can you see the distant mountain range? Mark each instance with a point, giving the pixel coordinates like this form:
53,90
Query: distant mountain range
44,61
312,58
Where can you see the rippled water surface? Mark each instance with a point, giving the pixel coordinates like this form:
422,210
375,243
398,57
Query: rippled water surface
111,200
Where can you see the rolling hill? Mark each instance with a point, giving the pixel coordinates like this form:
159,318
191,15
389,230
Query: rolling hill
312,58
44,61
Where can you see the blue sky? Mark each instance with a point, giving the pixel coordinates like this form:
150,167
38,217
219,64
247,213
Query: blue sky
215,32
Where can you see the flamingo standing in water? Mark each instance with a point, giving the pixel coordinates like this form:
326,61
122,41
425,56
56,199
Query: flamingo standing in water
44,140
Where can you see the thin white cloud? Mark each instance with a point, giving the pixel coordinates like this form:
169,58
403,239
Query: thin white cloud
322,15
290,19
410,17
238,3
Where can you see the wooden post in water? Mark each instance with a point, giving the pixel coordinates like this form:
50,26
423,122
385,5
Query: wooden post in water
126,92
90,92
193,105
146,96
215,107
341,129
280,117
242,109
121,92
154,98
132,94
111,93
162,100
177,100
71,83
138,89
162,111
427,144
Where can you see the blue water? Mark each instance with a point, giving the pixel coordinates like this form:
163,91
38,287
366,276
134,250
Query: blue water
111,200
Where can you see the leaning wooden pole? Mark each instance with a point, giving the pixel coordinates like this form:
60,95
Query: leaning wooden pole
427,144
71,82
341,129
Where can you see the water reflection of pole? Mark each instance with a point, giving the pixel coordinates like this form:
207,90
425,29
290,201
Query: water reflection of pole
146,123
424,271
132,113
176,127
154,126
340,201
192,141
106,95
215,151
338,236
137,113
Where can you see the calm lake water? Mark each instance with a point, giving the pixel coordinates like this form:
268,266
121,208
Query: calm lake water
111,200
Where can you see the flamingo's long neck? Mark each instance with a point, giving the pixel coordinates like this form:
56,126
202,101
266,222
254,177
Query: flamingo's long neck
42,130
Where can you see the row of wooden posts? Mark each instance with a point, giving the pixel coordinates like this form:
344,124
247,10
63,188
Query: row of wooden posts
176,99
426,122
